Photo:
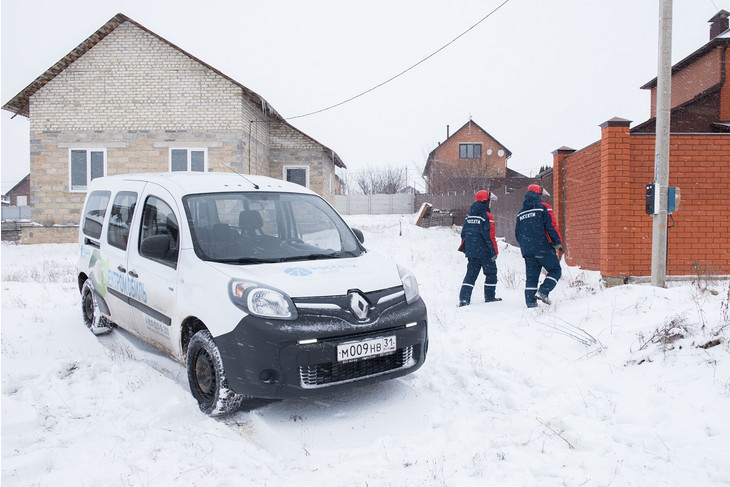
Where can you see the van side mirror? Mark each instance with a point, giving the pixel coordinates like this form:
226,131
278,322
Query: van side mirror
155,247
359,235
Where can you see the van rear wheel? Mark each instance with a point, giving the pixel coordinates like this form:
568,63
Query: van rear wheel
93,319
207,378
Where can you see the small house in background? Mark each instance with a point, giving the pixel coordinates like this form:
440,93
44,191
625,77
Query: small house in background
465,160
19,195
468,160
15,210
126,100
599,191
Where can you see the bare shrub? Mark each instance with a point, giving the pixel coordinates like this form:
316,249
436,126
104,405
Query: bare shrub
40,271
704,276
725,306
511,278
665,335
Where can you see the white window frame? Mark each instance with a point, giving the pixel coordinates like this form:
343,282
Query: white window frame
306,170
189,151
88,167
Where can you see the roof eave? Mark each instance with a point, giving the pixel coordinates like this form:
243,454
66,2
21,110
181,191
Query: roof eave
20,103
714,43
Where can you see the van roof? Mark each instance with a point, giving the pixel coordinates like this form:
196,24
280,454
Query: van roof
183,183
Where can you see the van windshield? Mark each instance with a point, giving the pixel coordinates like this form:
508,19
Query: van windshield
250,228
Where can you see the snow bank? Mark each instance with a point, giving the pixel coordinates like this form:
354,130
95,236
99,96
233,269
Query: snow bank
604,387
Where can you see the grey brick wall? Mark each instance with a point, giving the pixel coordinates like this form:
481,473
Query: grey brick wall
133,81
290,147
136,97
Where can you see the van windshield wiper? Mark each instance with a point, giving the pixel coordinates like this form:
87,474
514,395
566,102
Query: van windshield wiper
246,260
330,255
289,258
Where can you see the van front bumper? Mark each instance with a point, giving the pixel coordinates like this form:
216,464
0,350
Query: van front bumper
277,359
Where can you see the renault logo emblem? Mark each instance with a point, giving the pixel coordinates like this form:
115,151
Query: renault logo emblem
359,305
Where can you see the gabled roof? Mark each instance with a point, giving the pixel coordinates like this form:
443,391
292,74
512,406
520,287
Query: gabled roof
18,185
721,40
648,125
20,103
431,154
472,122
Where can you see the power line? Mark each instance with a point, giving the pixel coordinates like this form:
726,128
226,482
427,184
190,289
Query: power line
405,70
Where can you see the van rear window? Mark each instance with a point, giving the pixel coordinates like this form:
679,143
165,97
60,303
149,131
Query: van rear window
96,205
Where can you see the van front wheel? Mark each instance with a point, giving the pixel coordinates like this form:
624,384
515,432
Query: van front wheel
93,319
207,378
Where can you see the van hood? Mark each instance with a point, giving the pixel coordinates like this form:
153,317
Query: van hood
309,278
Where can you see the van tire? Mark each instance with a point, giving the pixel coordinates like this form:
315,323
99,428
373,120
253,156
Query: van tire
207,378
93,318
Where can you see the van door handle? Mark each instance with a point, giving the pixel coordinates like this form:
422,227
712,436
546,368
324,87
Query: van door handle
133,274
121,269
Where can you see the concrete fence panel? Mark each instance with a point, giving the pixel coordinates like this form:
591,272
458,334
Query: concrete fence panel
16,213
375,204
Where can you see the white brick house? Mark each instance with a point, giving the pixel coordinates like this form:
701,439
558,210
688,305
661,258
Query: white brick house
127,100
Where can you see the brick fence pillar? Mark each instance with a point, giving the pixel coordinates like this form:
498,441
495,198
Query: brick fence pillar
559,188
615,187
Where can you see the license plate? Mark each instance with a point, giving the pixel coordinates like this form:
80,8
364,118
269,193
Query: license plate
365,348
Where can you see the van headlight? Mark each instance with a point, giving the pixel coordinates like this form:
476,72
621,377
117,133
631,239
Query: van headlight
410,285
262,301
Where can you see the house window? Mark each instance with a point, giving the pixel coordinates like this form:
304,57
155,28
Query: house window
188,160
297,174
85,165
470,151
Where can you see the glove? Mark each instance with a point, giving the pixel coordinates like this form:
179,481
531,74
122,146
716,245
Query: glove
494,258
558,247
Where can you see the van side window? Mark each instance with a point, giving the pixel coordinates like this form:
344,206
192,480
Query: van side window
120,219
159,236
95,212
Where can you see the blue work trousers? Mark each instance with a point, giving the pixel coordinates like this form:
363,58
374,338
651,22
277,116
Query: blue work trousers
533,267
472,272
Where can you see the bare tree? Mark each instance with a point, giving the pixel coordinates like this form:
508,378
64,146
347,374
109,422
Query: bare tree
384,181
469,177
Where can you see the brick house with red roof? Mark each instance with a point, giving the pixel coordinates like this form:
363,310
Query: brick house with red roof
465,160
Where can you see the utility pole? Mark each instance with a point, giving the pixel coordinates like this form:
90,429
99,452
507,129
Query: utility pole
661,152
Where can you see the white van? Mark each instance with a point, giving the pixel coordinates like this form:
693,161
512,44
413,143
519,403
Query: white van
257,285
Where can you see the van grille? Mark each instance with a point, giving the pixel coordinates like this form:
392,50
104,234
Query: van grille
322,375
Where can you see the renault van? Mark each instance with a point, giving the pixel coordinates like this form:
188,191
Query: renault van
255,284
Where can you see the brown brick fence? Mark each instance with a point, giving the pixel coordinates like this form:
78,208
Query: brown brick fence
600,203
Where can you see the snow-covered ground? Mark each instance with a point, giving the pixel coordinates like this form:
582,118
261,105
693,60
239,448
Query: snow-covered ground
606,387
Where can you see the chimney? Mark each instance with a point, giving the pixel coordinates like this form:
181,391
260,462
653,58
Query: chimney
719,24
447,131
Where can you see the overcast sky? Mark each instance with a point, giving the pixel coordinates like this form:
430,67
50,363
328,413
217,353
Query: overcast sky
537,75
